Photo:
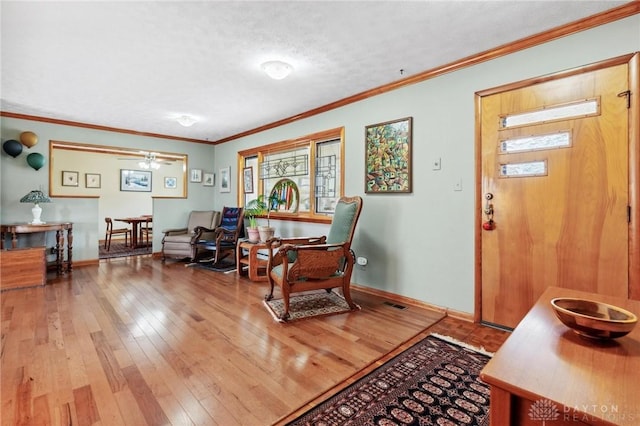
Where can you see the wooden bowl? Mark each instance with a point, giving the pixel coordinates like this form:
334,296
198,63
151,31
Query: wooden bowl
594,319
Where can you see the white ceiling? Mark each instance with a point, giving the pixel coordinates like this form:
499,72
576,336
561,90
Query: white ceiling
138,65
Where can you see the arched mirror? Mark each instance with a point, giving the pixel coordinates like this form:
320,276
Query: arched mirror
285,196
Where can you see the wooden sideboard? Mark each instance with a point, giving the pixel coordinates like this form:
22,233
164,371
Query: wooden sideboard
61,264
546,372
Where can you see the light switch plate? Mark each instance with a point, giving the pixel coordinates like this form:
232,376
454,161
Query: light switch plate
436,164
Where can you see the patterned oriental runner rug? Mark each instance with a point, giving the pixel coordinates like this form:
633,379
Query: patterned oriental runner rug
434,382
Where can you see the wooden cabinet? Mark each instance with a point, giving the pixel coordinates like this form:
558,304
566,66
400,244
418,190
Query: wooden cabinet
25,267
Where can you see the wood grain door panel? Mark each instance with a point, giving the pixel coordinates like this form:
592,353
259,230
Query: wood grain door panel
567,228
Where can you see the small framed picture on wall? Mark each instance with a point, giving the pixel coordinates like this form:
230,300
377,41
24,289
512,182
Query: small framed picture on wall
170,182
247,179
209,179
92,180
135,180
69,178
225,179
196,175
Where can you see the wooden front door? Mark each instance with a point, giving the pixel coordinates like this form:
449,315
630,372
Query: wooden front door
555,163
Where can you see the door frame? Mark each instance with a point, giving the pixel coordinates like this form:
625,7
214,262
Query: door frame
633,61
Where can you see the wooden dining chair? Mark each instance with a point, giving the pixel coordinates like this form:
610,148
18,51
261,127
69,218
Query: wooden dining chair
146,229
117,231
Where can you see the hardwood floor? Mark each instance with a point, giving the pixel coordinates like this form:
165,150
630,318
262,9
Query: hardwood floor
135,342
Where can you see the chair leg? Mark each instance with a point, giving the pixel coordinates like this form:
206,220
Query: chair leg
108,243
269,296
219,257
285,297
346,293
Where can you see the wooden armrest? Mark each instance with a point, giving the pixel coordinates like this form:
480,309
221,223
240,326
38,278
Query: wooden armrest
302,247
175,231
201,229
297,240
277,242
276,245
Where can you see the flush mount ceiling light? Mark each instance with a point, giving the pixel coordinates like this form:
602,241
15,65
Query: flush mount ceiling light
277,69
186,120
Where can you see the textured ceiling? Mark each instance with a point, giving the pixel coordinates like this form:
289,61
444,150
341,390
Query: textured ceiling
139,65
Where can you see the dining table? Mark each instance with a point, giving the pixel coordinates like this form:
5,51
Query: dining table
136,228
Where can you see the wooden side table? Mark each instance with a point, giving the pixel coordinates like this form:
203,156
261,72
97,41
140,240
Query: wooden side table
544,371
247,254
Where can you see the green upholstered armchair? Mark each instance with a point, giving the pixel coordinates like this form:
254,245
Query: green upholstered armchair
180,242
326,262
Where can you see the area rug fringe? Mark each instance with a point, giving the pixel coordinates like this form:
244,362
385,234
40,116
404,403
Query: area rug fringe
480,350
273,314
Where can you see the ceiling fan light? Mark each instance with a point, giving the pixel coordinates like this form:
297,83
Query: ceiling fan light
186,120
277,70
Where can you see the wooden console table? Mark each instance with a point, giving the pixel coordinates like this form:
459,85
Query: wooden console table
256,267
546,372
61,264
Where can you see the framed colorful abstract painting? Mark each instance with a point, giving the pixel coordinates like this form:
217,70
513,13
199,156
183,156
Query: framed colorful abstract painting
388,157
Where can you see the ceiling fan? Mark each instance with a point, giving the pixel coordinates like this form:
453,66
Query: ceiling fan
149,160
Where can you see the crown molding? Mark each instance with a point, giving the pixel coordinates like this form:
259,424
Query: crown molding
606,17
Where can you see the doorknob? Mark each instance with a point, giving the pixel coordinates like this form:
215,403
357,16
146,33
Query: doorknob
488,207
489,224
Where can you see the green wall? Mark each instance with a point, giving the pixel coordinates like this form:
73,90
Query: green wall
419,245
87,213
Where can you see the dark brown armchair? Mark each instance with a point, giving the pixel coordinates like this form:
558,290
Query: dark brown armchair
304,264
221,240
